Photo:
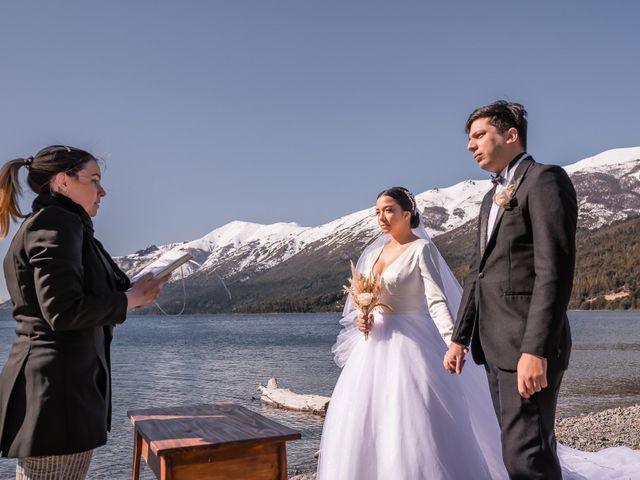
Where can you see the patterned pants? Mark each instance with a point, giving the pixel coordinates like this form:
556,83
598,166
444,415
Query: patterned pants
56,467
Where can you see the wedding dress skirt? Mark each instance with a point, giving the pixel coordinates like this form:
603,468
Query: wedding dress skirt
397,414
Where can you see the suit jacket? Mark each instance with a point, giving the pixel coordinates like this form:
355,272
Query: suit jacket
55,394
518,287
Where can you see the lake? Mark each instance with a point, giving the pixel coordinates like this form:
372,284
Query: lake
164,361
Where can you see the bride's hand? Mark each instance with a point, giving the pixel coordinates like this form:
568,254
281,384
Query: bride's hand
363,323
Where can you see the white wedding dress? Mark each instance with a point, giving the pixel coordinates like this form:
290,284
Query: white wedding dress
397,414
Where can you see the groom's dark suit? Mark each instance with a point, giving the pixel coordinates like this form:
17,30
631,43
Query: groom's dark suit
515,301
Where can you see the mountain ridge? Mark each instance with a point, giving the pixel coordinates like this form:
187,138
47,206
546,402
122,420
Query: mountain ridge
296,268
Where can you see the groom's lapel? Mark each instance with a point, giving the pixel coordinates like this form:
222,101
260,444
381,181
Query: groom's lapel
518,177
485,209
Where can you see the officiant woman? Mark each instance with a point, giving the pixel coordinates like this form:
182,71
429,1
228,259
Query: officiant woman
67,294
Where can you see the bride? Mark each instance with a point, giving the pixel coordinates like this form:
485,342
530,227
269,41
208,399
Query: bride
395,412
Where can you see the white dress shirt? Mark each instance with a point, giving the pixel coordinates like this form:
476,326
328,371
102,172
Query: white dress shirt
507,174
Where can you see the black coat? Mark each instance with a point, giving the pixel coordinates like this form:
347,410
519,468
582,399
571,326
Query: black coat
518,287
67,293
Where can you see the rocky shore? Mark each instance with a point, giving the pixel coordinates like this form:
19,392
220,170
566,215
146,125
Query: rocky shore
595,431
589,432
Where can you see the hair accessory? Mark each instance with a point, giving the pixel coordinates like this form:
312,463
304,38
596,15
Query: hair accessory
28,161
409,195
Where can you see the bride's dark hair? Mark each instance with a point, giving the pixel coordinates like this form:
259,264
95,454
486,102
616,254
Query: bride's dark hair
406,200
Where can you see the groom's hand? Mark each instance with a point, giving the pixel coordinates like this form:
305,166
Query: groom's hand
454,358
532,374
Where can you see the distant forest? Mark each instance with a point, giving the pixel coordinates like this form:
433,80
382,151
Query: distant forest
607,264
608,267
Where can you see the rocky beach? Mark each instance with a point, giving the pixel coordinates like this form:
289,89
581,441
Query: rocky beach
589,432
594,431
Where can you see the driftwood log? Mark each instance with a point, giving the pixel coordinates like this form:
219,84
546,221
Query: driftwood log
284,398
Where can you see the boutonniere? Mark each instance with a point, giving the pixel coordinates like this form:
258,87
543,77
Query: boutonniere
505,198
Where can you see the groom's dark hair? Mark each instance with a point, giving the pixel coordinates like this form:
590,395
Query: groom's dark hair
503,115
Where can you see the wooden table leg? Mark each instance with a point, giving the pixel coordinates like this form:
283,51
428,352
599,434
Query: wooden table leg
166,472
137,452
283,462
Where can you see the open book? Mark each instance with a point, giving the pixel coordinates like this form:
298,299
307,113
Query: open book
164,265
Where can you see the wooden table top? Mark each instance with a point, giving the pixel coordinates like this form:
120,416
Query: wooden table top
191,427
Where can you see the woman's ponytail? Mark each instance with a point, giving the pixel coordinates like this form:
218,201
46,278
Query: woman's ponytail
10,191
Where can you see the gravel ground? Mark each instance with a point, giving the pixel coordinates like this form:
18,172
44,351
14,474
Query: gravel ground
595,431
588,432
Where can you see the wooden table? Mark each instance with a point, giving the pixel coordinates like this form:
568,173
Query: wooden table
209,442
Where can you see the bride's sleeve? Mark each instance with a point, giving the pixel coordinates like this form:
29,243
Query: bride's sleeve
434,292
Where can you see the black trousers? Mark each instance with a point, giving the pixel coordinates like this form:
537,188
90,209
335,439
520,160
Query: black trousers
526,425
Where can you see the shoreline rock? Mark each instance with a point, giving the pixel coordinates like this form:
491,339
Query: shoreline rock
304,476
589,432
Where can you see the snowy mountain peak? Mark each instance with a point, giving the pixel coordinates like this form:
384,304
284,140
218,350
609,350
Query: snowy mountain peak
609,158
238,232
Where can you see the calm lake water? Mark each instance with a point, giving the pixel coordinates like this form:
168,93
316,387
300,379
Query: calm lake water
165,361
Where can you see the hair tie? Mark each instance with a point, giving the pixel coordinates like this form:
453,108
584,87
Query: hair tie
28,161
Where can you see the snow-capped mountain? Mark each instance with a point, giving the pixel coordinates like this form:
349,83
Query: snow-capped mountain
608,187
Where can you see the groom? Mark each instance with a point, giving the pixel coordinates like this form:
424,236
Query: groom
513,312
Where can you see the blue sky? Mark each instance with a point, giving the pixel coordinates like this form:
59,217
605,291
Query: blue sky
266,111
